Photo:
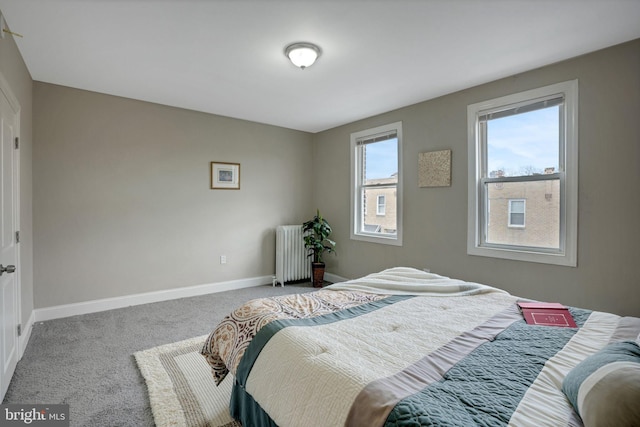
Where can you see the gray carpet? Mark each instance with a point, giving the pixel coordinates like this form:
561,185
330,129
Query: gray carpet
87,361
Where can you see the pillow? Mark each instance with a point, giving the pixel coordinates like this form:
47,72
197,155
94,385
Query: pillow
604,389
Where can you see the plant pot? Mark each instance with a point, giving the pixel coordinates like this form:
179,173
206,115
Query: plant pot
317,273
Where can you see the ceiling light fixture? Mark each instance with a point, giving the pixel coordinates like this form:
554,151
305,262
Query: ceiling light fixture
302,55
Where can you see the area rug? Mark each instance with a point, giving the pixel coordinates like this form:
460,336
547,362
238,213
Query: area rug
181,388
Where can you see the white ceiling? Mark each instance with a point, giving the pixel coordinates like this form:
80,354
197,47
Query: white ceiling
226,57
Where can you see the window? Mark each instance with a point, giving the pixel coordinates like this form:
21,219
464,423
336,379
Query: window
376,191
381,205
523,154
516,213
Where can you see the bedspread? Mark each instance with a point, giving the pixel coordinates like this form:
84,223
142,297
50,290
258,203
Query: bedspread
334,373
465,357
226,345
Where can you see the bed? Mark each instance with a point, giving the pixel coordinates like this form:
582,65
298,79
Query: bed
403,347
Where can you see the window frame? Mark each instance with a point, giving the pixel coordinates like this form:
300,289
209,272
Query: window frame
566,255
524,214
356,208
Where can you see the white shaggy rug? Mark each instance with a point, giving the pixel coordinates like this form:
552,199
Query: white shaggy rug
181,387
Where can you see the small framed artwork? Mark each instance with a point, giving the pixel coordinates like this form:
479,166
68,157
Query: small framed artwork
225,176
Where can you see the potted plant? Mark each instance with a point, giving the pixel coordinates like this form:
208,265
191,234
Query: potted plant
317,242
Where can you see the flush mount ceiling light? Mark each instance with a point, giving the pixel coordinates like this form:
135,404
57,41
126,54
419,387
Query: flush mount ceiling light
302,55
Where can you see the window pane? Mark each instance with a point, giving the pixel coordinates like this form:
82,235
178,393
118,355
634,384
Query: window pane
517,206
524,144
381,161
516,219
374,222
542,213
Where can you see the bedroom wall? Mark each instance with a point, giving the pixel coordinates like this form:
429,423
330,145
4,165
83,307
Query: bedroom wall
435,219
122,203
14,70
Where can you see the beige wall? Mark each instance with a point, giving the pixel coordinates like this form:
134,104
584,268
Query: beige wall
13,69
122,203
435,219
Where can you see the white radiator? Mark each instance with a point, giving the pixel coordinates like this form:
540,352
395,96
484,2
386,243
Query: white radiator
291,257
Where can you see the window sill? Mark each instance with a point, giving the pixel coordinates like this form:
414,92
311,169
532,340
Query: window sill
393,241
563,259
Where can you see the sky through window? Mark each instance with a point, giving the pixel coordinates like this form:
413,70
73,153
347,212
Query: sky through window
524,144
382,159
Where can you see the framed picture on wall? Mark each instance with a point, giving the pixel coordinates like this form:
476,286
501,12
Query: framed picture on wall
225,176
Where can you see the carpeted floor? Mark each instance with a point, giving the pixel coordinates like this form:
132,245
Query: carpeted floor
87,361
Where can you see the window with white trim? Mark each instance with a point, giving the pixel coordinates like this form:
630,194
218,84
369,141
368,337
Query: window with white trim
381,205
516,213
376,184
523,156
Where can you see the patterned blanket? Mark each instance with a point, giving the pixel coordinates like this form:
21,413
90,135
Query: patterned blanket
337,357
226,345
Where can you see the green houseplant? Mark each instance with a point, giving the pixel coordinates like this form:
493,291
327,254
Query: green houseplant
317,242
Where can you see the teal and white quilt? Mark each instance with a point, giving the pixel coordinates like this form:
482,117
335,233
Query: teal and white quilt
425,351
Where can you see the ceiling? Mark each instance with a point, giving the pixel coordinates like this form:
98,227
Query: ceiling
226,57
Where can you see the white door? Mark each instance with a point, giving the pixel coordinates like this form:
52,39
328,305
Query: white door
9,284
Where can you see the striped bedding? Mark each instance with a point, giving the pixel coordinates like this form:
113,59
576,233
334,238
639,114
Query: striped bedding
402,348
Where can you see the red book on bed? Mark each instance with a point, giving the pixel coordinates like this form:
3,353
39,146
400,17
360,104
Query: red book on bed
547,314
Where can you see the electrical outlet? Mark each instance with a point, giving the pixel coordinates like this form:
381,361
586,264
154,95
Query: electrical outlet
223,259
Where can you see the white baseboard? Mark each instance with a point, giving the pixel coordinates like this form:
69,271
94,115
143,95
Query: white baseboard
23,340
66,310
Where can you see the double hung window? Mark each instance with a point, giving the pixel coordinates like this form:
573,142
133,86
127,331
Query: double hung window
381,205
523,176
376,192
516,213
